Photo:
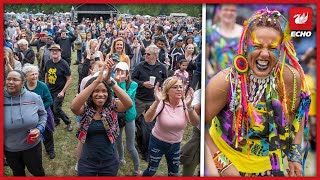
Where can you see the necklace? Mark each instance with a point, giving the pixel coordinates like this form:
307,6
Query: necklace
257,87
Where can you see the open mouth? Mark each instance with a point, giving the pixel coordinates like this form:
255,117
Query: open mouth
262,65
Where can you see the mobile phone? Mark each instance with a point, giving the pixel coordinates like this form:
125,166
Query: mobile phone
40,35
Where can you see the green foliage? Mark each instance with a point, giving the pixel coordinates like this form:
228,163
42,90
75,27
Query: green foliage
160,9
134,9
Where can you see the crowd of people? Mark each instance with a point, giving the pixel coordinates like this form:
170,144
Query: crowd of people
128,70
258,95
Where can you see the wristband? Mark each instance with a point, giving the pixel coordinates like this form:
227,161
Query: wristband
221,161
295,153
112,83
41,128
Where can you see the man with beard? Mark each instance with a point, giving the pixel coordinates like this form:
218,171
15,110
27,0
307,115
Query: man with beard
65,44
43,56
146,41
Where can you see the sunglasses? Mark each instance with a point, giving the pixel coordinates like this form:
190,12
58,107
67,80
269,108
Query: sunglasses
148,54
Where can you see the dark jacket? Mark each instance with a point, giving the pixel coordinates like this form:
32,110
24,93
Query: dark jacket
65,45
142,73
28,58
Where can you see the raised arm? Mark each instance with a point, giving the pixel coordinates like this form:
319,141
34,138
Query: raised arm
192,115
77,105
124,103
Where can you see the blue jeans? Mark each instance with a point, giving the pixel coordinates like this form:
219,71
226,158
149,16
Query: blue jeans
157,149
79,55
89,167
130,140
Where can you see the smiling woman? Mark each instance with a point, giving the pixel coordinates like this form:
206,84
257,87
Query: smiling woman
25,118
257,107
173,111
99,126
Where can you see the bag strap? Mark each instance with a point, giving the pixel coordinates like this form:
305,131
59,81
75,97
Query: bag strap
160,110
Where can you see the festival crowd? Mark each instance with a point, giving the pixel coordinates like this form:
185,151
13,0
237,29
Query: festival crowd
138,75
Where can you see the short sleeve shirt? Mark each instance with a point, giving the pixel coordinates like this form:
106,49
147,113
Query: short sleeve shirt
57,73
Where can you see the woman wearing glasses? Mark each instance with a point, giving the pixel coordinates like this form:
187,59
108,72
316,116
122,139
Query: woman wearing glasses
173,111
25,118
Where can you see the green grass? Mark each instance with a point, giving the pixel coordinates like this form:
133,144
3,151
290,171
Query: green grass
65,142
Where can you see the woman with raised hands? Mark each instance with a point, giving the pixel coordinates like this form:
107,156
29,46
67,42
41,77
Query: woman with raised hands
99,126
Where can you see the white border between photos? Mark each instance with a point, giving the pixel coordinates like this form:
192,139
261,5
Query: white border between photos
203,85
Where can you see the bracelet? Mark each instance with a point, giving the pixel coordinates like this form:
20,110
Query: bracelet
295,153
112,83
221,161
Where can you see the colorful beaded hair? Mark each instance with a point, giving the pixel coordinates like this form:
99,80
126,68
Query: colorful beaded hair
287,48
239,103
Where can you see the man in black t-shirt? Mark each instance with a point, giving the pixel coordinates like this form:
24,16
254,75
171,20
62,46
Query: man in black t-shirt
58,79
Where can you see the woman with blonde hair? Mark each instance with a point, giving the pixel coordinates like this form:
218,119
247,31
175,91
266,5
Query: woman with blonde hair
118,47
92,51
173,111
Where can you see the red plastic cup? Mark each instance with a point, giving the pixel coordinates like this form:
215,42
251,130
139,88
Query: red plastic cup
31,134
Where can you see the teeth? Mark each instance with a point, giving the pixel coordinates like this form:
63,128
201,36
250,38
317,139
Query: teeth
263,63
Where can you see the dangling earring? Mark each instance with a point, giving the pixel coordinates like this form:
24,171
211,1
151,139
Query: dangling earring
240,63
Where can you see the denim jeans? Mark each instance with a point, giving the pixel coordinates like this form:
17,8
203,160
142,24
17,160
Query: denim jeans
157,149
130,140
89,167
78,56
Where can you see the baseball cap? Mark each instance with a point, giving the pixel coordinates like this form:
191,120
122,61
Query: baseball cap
189,30
122,66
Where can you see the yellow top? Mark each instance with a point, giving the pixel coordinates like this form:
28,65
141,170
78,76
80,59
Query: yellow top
243,162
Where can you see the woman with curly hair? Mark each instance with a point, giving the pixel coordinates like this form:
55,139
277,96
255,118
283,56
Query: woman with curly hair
99,126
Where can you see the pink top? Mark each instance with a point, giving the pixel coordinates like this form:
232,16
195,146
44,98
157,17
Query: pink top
170,123
183,75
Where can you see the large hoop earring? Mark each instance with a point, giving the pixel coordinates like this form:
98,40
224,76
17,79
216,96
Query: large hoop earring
240,63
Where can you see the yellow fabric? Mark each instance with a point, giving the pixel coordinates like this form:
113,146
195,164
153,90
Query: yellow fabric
243,162
312,87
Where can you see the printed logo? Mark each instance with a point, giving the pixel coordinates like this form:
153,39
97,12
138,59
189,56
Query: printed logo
300,18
